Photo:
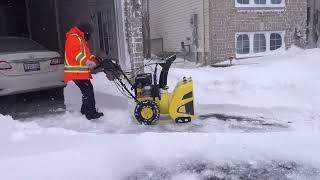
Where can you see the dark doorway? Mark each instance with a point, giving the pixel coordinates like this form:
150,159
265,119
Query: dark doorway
43,23
105,18
107,30
13,18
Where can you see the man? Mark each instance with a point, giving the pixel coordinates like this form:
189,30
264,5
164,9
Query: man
78,65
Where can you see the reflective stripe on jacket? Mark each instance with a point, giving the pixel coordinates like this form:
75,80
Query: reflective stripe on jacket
77,55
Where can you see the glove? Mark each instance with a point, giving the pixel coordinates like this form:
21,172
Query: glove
91,64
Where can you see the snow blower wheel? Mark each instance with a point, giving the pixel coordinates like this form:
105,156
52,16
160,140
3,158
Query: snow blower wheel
147,112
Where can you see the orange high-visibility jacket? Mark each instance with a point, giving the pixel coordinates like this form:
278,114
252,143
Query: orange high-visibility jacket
77,55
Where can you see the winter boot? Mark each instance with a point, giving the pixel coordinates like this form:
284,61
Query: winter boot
95,115
83,111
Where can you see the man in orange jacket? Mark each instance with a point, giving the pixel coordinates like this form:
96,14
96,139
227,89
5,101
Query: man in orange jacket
78,65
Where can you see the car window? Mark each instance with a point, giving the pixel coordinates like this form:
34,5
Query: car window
19,45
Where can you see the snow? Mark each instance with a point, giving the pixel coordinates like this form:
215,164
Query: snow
287,80
279,138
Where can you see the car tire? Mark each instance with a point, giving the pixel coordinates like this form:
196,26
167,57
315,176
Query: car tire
8,105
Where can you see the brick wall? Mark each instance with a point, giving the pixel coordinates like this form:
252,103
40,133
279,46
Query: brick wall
133,24
226,20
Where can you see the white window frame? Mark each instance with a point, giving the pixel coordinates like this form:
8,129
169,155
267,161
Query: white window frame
268,4
251,40
259,47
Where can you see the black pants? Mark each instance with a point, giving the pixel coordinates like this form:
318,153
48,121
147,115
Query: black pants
88,102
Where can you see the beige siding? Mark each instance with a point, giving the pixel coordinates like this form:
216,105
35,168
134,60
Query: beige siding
170,20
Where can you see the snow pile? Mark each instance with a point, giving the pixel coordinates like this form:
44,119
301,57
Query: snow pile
15,131
286,80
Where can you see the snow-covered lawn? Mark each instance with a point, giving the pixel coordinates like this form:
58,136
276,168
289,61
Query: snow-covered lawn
277,135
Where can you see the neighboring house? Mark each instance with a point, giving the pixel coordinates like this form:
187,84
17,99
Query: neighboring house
232,28
180,26
313,23
117,25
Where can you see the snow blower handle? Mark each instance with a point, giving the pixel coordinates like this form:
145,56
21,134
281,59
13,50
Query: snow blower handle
112,69
114,73
99,60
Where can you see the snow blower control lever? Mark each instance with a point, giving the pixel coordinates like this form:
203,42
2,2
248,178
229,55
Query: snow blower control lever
152,96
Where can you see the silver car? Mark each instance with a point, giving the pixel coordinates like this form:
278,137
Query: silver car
26,66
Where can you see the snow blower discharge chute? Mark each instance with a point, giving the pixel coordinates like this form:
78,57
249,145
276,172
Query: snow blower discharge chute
152,96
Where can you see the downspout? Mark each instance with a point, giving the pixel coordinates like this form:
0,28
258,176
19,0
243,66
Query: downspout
204,59
57,15
27,2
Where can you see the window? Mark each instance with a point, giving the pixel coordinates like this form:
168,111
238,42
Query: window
275,41
243,44
260,3
259,43
276,1
249,44
243,1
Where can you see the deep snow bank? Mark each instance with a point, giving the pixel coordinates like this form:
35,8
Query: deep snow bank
286,80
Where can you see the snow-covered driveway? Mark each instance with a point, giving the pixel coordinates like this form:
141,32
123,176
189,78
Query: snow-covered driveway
268,127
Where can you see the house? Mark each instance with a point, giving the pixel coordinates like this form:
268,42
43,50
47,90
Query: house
224,29
117,25
180,26
313,23
208,31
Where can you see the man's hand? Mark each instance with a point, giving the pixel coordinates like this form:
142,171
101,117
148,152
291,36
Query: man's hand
91,64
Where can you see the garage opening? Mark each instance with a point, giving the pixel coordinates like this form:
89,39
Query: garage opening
101,14
47,22
13,18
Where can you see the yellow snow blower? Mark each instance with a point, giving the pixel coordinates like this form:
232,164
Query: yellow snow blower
152,96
